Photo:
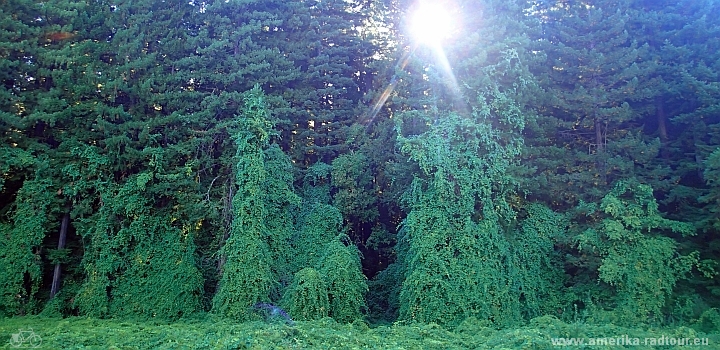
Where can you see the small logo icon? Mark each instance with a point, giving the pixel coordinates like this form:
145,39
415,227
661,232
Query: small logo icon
25,339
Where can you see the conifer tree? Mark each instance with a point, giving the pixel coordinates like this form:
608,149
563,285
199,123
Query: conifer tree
683,43
680,37
456,258
135,183
307,56
690,103
653,145
47,58
18,33
642,264
247,276
587,134
307,297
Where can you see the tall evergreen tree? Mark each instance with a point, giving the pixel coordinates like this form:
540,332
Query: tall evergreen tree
247,276
144,196
19,33
691,97
690,54
587,132
642,264
50,91
308,57
681,41
456,257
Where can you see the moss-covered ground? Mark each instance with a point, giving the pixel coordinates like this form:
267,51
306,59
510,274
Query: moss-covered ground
212,333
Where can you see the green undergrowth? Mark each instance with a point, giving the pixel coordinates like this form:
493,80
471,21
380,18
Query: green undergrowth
215,333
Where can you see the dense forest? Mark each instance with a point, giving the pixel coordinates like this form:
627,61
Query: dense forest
553,157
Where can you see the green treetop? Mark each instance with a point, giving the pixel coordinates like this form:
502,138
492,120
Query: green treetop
586,136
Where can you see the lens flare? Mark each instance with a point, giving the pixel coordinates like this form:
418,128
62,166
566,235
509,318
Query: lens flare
388,90
431,23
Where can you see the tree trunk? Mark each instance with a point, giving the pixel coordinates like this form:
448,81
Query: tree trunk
599,142
600,147
662,127
227,218
61,245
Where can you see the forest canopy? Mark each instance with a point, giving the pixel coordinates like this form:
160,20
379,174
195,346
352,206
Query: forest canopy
555,158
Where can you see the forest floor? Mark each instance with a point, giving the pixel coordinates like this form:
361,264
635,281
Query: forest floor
213,333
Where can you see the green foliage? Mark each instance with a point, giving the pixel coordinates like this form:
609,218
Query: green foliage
247,276
307,297
173,133
317,225
13,159
596,87
709,321
308,57
457,260
161,279
641,263
712,177
346,285
213,332
100,263
316,183
280,201
21,269
384,294
354,188
319,247
536,270
144,265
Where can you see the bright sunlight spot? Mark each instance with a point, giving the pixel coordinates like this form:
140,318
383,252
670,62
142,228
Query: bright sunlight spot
431,23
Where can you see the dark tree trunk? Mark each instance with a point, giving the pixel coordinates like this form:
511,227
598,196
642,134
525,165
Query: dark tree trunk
599,142
600,147
662,127
61,245
228,218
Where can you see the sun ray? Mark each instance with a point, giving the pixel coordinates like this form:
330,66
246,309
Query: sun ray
431,23
389,89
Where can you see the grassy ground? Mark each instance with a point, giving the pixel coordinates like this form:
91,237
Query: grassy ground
212,333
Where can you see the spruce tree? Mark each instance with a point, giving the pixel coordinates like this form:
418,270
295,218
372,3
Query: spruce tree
247,276
456,258
141,210
690,98
18,35
307,56
47,60
587,133
640,262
